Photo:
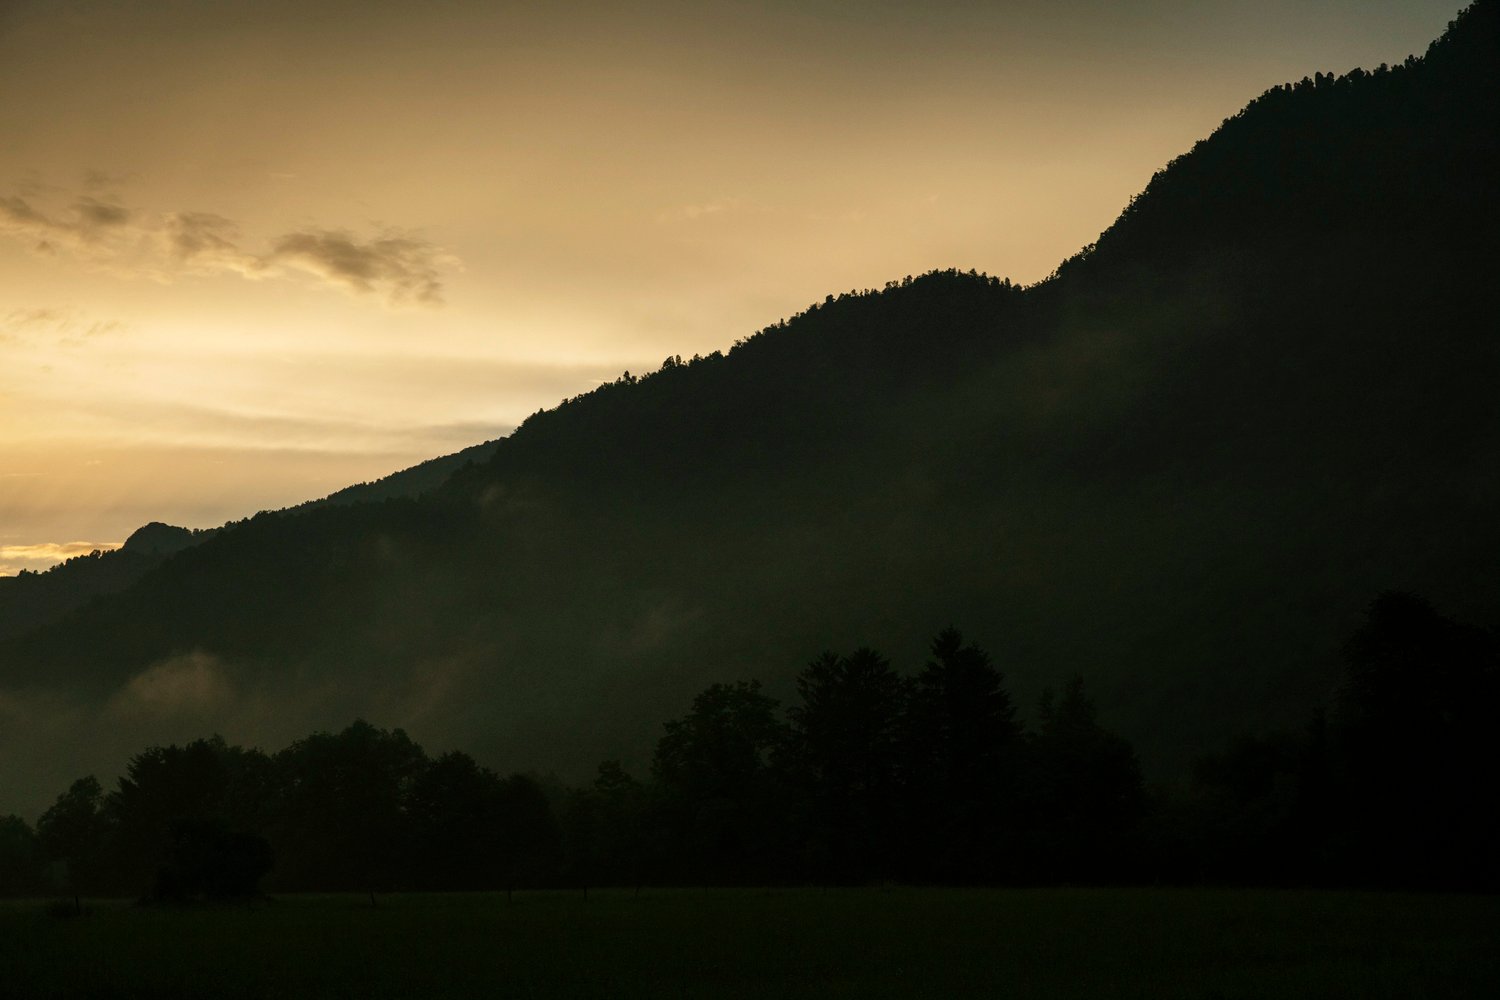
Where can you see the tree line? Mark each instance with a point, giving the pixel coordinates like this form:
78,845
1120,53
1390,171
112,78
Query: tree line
869,776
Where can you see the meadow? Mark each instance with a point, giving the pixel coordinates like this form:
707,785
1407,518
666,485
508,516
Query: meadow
1118,943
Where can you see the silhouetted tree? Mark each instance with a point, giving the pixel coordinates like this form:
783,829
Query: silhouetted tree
1251,812
204,861
21,860
1084,789
713,768
341,815
844,757
624,807
1414,753
205,783
468,828
586,848
74,836
530,838
960,765
1394,789
604,828
454,811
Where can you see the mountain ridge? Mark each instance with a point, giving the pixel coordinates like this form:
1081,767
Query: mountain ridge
34,599
1181,466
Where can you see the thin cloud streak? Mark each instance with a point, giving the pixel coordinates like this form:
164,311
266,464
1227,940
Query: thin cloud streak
63,326
396,265
38,556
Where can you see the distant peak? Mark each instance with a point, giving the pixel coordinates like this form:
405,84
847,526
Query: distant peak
160,539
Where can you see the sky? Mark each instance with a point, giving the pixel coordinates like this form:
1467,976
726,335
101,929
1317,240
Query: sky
251,253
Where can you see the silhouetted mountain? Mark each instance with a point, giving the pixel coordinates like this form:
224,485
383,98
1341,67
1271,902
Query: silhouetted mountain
413,482
1181,467
30,600
158,539
34,599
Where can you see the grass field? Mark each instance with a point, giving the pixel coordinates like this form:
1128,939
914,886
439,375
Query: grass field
786,943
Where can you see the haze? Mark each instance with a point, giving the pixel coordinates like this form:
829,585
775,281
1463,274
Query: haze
253,253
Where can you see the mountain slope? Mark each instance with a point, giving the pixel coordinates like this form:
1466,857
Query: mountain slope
31,600
1180,467
421,478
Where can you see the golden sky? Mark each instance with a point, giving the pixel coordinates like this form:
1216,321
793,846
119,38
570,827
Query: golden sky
254,252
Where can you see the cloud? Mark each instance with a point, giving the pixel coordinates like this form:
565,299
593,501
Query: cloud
193,234
19,213
62,326
41,555
20,321
205,243
395,265
95,215
405,267
86,224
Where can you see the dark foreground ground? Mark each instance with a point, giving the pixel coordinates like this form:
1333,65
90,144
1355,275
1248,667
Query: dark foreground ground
786,943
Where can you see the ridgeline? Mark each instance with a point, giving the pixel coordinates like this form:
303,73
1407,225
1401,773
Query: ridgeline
1182,466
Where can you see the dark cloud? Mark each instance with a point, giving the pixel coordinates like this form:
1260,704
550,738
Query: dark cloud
193,234
401,266
94,214
206,243
17,211
88,221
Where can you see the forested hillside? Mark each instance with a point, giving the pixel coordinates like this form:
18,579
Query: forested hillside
1181,467
30,600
